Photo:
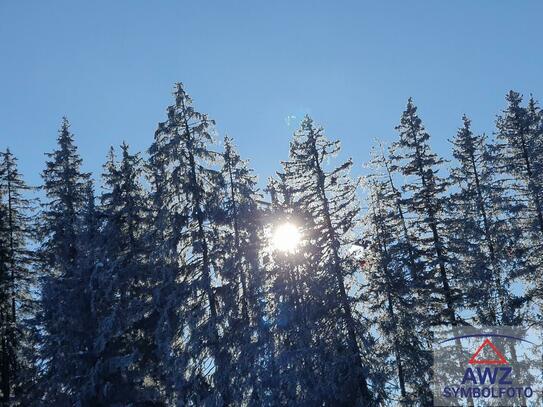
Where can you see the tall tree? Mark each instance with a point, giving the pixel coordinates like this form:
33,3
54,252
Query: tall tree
520,133
167,260
242,270
330,198
66,316
7,327
519,158
121,289
191,200
18,279
393,292
424,199
483,242
299,359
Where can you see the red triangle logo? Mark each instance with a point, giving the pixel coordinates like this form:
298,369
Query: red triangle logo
499,361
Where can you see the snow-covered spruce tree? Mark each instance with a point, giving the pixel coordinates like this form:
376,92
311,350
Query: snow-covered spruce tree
330,198
242,236
242,215
301,361
121,292
520,137
381,167
187,198
482,239
16,282
8,342
88,263
423,197
519,159
65,308
391,294
383,164
167,262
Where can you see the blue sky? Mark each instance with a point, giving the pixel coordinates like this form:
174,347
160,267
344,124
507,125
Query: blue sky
110,67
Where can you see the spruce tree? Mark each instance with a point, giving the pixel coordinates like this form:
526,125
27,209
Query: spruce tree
330,198
187,196
300,361
122,289
241,269
483,236
66,318
520,134
170,293
392,291
17,280
424,196
519,160
7,327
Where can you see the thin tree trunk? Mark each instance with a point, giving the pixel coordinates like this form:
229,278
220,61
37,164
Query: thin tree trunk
392,316
11,247
399,365
488,239
450,310
206,270
5,373
9,341
411,255
531,183
337,271
242,280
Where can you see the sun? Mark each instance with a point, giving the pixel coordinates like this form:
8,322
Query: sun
286,237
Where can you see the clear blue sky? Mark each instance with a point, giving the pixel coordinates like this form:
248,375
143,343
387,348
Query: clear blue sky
110,67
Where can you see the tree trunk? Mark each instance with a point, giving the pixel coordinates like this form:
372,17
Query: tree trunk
338,274
206,271
450,311
531,183
411,255
237,257
488,238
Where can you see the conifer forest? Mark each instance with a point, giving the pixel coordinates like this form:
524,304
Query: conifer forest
178,277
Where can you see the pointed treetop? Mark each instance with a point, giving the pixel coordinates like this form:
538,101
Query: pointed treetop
111,154
228,142
181,96
411,129
410,117
65,138
125,147
514,98
307,121
467,121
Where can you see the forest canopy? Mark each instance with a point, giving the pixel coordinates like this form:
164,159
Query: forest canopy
171,279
